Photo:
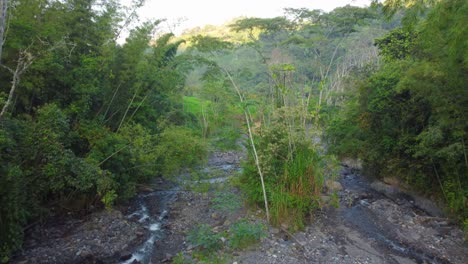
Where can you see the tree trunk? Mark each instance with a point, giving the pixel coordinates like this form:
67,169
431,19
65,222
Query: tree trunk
257,161
24,61
3,22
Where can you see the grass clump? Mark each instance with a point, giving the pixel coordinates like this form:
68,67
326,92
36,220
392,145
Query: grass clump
181,259
226,201
244,234
205,239
293,172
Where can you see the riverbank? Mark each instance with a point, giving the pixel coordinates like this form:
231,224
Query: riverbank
370,226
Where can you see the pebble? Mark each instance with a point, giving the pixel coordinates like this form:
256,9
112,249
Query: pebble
274,230
215,215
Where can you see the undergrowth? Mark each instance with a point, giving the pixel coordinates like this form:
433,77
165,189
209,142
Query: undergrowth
244,234
226,201
294,174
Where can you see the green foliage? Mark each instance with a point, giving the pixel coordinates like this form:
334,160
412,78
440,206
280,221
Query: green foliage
12,212
205,239
216,115
193,105
181,259
244,234
293,172
396,45
409,116
90,118
335,200
109,198
263,24
200,187
209,44
179,148
226,201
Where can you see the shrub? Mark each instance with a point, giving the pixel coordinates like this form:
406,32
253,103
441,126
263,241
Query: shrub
181,259
293,172
13,213
179,148
205,239
244,234
226,201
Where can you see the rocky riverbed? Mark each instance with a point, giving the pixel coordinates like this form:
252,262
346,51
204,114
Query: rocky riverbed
101,237
375,223
370,226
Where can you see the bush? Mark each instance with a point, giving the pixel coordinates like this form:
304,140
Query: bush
181,259
179,148
13,213
205,239
244,234
293,173
227,201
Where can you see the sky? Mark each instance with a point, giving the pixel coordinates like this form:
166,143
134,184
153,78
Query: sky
193,13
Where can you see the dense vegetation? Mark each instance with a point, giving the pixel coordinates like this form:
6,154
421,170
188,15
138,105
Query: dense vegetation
408,117
89,119
84,119
402,113
287,75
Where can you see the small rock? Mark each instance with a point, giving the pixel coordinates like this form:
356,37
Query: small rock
125,255
284,226
364,202
85,253
325,198
274,230
215,215
443,223
333,186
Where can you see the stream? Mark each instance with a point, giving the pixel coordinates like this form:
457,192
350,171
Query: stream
152,212
384,223
375,223
152,209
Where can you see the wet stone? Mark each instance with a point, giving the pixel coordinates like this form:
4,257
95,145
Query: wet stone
125,255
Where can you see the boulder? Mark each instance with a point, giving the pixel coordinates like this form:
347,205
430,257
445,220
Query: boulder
333,186
325,198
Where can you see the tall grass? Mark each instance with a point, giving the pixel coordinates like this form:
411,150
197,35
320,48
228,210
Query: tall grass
297,192
293,181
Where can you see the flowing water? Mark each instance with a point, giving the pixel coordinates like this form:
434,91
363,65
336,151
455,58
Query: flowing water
153,209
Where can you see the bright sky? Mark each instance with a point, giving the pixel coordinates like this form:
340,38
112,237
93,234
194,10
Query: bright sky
202,12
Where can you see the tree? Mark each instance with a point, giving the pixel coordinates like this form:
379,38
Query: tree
211,45
411,111
3,23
